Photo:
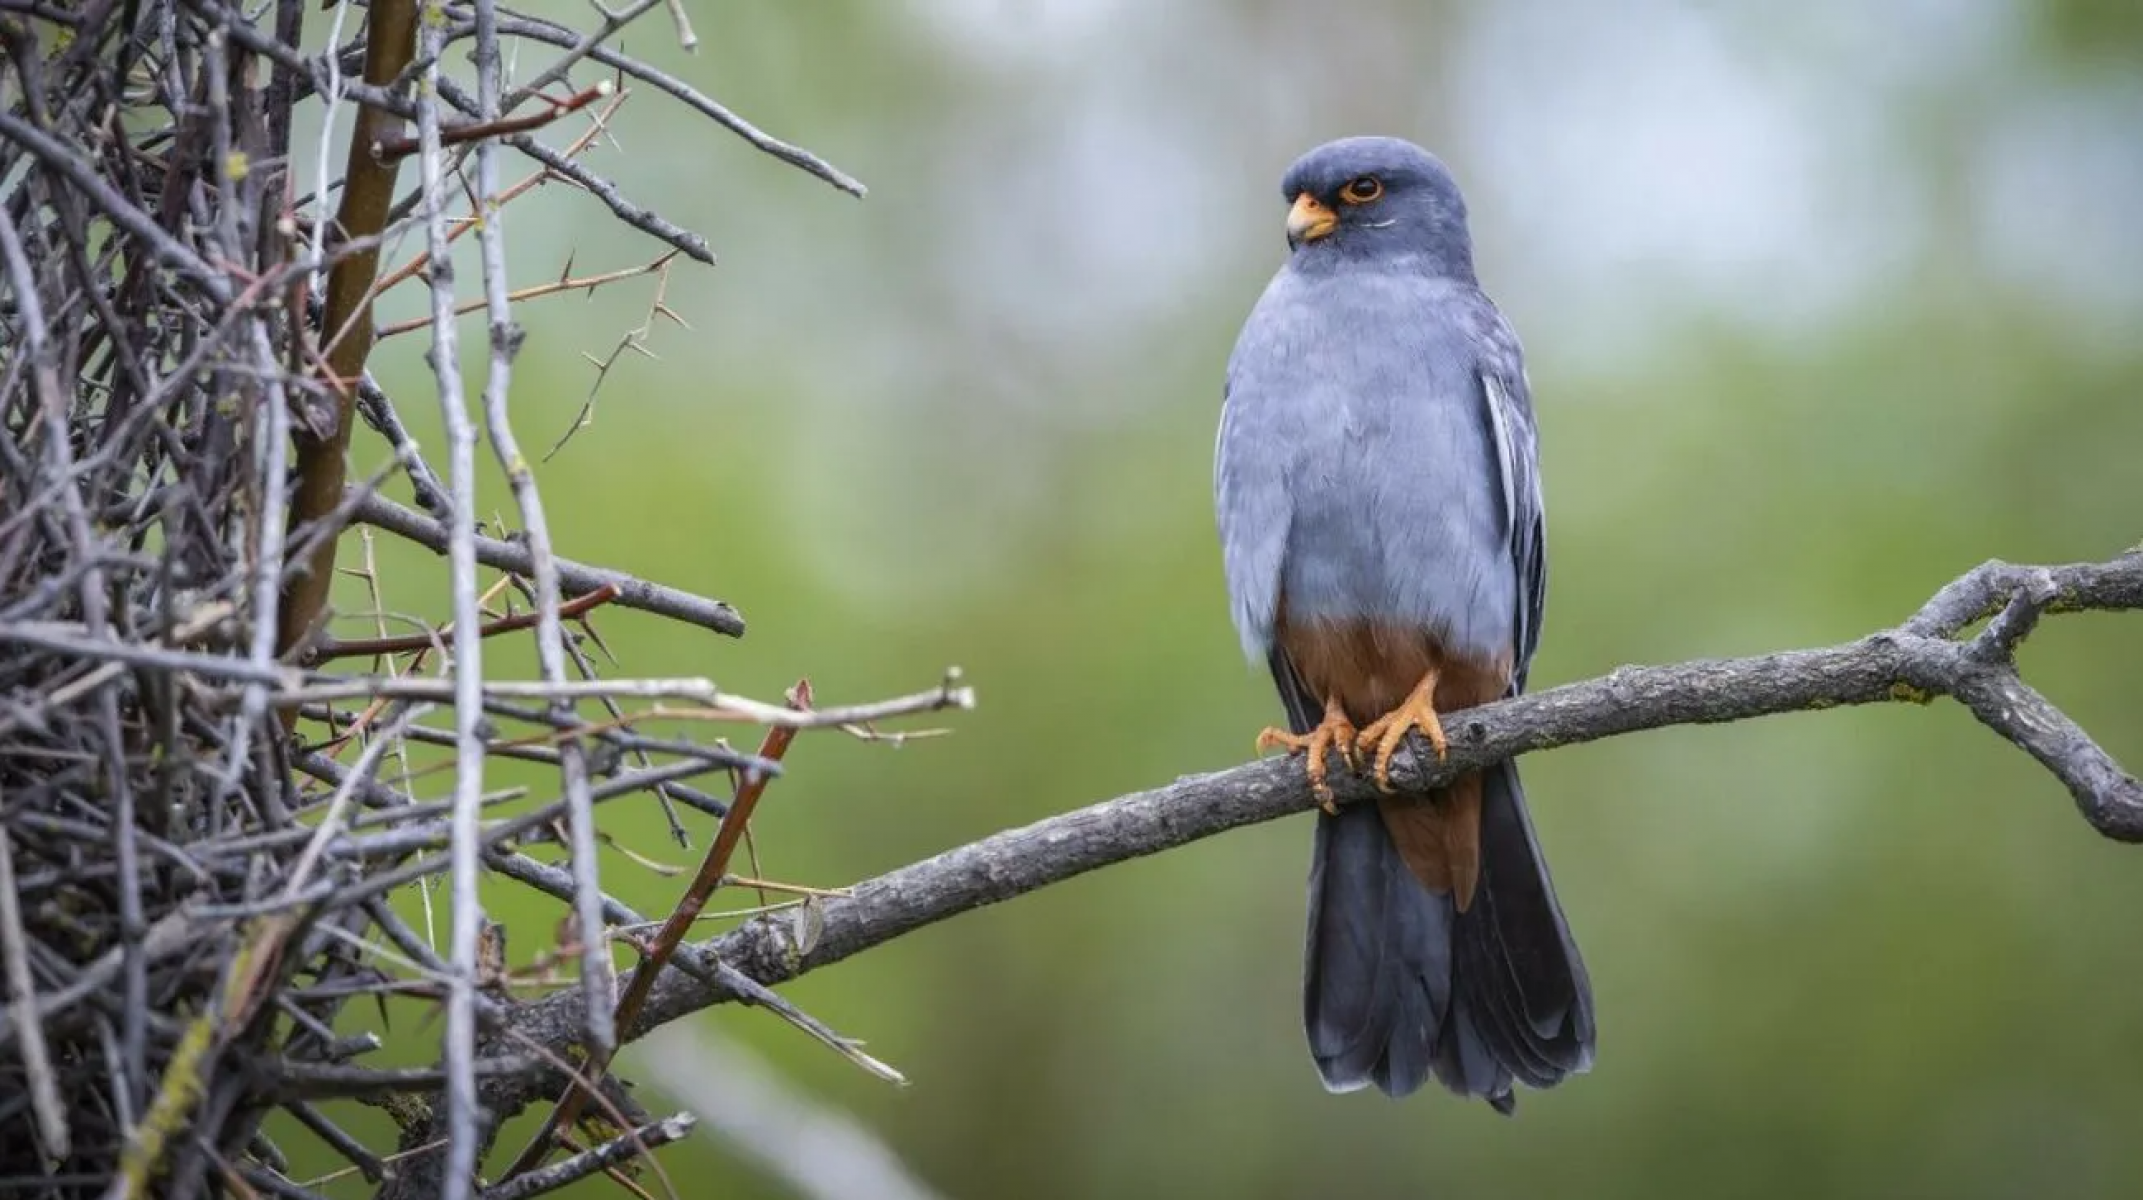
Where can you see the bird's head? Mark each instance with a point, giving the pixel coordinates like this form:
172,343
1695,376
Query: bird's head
1373,198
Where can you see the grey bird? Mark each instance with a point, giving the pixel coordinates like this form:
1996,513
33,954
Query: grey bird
1378,491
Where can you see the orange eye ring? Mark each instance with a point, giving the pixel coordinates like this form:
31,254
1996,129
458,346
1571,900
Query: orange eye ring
1362,189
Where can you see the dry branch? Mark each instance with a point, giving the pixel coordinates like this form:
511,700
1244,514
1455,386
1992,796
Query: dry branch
1916,662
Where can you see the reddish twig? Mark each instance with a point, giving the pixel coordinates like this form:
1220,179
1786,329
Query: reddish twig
397,148
597,124
379,704
418,643
656,954
566,282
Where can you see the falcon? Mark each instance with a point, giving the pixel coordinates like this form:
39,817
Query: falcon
1378,492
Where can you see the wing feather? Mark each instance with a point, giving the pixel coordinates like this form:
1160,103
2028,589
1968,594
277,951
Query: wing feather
1508,395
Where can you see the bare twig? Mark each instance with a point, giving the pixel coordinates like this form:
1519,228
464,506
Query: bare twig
574,578
795,156
466,848
598,983
564,283
378,411
367,1163
639,216
714,703
625,1146
614,20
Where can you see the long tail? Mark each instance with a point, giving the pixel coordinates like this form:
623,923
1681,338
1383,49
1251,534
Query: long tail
1398,985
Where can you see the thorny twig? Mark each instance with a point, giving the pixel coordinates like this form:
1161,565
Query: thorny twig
575,608
597,982
465,852
600,122
634,341
566,282
796,156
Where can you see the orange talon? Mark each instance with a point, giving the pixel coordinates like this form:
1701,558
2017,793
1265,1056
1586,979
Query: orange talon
1417,711
1334,733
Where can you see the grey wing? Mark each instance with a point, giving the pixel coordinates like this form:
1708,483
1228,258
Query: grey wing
1251,503
1510,421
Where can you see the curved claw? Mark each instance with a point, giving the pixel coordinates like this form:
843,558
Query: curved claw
1334,733
1388,732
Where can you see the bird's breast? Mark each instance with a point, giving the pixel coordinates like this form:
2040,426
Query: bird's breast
1388,467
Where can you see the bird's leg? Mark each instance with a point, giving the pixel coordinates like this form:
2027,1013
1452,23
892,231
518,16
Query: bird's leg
1417,711
1335,732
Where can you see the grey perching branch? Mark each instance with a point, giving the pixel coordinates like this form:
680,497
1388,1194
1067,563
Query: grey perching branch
1920,660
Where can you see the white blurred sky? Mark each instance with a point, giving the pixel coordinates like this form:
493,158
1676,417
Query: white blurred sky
1628,163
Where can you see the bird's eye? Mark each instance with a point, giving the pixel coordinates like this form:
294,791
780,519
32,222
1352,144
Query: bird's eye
1362,190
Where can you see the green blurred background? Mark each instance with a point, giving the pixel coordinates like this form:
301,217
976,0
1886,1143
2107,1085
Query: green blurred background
1824,304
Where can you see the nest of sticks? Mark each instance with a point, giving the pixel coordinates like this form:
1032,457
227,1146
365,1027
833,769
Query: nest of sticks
207,797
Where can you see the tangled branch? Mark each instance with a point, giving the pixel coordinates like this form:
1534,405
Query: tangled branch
209,791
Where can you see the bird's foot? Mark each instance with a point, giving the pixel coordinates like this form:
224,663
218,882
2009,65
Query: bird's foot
1386,733
1333,734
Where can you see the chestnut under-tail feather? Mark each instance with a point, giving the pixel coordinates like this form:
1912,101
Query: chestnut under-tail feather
1434,947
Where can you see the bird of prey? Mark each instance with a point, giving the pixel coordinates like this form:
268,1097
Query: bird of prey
1376,480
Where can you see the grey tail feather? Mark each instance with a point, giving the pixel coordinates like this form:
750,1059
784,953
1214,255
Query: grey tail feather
1399,986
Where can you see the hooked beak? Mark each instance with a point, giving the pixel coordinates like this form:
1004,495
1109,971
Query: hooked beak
1309,220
